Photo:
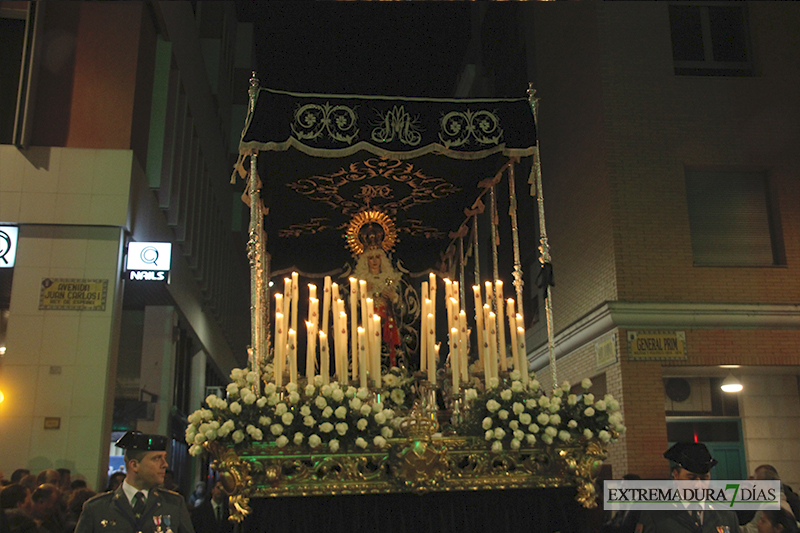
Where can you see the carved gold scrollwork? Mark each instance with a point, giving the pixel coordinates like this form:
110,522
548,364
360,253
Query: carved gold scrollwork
235,476
420,461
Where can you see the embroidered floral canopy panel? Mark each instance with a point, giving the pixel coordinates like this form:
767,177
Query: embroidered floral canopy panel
418,160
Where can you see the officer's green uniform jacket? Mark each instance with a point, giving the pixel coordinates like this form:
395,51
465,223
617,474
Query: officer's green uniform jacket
680,521
111,512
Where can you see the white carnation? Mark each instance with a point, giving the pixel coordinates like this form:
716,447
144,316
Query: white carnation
379,441
238,436
361,443
333,445
314,440
298,438
287,418
487,423
326,427
276,429
497,446
506,394
525,419
281,441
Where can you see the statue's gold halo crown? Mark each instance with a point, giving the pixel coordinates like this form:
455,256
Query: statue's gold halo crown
370,229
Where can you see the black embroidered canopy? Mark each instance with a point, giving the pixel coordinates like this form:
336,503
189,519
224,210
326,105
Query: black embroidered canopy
421,161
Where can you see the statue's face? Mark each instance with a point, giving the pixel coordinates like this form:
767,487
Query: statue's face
374,262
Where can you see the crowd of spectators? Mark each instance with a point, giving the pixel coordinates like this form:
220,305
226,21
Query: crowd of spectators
51,501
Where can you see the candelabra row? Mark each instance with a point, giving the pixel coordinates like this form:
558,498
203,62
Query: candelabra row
361,352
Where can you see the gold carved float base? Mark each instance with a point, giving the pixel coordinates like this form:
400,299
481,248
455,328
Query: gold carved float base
405,465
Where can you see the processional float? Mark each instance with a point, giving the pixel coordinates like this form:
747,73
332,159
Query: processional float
399,386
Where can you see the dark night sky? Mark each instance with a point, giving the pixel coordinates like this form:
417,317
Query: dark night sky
394,48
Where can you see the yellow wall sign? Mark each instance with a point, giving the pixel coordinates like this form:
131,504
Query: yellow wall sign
657,344
73,294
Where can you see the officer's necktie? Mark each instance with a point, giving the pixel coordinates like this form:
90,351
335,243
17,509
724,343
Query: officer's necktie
138,504
219,514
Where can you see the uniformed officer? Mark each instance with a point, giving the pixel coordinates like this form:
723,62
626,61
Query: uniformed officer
137,506
690,461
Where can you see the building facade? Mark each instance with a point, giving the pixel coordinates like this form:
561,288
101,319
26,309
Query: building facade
668,140
120,124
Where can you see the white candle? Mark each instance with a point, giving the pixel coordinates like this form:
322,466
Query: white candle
292,356
512,329
501,329
432,353
452,313
326,304
277,363
312,291
483,335
365,318
362,356
454,359
448,288
523,354
343,343
376,351
324,357
455,294
295,299
489,294
432,308
432,370
287,294
311,351
463,336
493,343
354,326
523,351
476,290
423,327
335,292
313,312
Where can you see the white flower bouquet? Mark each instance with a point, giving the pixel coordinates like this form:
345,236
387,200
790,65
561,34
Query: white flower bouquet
318,416
514,415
